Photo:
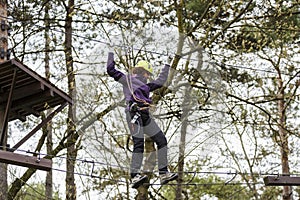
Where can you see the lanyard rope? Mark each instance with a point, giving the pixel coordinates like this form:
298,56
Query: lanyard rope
130,87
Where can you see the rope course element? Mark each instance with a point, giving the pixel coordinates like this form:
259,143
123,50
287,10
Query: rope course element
126,47
94,163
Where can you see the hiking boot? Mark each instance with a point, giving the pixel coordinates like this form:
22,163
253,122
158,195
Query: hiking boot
138,180
167,177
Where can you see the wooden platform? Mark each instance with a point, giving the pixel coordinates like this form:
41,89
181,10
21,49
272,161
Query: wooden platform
31,93
24,92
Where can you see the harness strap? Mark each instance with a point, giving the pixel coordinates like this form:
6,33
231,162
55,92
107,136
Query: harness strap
134,107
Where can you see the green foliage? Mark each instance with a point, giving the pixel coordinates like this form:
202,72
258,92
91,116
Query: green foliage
35,191
234,75
271,193
277,24
249,39
198,185
197,6
212,186
297,190
268,25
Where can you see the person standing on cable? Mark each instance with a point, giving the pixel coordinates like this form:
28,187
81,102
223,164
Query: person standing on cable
137,95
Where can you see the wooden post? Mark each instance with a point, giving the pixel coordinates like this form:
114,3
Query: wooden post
3,31
3,57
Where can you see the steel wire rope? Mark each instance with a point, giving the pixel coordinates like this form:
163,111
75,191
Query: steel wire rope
164,54
112,165
186,184
153,52
189,183
100,41
209,184
121,181
187,172
90,175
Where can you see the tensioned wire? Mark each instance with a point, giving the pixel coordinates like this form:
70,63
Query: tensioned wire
126,47
125,168
189,183
154,52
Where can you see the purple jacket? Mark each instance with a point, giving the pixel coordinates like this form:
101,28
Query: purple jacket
135,88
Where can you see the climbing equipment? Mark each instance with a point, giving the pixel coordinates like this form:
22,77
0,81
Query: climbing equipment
145,65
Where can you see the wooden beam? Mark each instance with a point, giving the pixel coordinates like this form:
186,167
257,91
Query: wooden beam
42,80
7,110
17,115
30,100
25,160
282,181
21,92
39,126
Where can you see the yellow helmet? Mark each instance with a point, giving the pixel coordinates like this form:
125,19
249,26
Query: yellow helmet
145,65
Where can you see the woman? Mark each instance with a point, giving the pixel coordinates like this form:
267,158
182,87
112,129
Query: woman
137,95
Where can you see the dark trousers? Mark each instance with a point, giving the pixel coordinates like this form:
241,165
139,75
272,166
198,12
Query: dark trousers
146,125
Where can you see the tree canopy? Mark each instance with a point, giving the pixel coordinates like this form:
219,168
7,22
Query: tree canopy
229,108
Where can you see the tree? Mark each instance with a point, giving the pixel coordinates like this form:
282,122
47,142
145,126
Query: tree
212,42
271,39
3,125
48,129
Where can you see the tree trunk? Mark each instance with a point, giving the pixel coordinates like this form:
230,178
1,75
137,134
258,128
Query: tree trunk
48,128
186,107
71,150
179,190
3,171
49,181
3,48
284,146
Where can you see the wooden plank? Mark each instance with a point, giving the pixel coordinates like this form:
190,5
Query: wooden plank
282,181
25,160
